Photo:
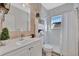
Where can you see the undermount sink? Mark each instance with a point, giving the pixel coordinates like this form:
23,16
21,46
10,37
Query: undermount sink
23,41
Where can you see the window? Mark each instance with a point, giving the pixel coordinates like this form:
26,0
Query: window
56,21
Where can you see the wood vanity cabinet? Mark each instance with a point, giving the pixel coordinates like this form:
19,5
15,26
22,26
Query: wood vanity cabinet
32,49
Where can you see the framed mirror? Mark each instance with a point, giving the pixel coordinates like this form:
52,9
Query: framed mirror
18,18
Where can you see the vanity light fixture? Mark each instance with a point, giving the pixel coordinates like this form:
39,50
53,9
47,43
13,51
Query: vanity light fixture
4,7
23,5
37,15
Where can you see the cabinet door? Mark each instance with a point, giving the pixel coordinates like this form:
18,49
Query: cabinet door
19,52
36,51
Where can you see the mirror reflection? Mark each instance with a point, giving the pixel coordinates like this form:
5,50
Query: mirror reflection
18,17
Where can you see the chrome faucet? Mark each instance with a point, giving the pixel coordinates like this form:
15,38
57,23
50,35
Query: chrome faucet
21,37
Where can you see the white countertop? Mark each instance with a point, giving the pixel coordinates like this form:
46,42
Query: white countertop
12,44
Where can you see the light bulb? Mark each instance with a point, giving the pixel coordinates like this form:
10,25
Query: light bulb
23,5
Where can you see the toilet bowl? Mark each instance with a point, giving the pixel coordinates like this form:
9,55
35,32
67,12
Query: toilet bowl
51,50
47,49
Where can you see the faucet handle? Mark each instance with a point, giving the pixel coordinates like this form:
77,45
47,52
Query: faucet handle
22,35
33,35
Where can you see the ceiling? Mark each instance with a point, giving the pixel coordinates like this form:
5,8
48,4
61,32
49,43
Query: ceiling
25,7
49,6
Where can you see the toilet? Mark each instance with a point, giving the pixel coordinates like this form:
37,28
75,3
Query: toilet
47,49
51,50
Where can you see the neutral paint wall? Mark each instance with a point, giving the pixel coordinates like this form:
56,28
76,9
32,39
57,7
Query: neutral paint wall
35,8
43,12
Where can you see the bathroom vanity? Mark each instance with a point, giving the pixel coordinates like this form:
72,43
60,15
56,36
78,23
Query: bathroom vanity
25,47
